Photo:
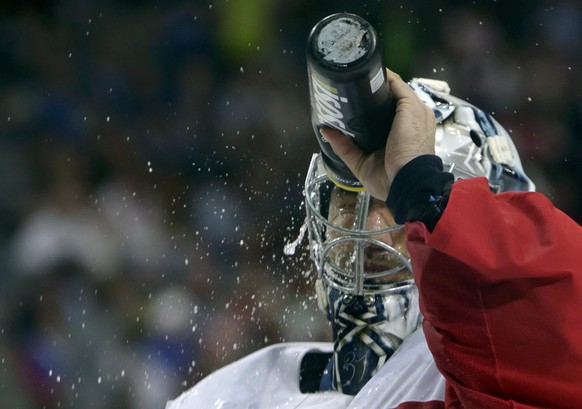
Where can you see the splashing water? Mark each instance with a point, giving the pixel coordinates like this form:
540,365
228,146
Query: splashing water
291,247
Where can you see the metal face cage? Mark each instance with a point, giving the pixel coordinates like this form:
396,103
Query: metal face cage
342,253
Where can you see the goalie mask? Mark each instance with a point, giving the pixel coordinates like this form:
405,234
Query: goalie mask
364,281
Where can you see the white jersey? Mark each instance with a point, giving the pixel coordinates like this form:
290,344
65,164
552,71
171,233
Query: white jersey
269,379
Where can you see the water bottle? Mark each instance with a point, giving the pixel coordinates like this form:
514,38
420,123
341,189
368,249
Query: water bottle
348,89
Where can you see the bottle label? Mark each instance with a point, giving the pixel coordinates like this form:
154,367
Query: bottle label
377,81
329,105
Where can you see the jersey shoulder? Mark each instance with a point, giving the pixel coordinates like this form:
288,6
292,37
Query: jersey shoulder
269,378
264,379
408,379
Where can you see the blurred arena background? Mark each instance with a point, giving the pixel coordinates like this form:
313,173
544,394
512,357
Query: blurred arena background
152,155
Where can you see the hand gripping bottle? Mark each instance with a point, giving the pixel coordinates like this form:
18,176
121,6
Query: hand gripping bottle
348,89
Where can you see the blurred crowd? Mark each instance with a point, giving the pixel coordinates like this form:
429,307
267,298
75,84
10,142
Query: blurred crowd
152,156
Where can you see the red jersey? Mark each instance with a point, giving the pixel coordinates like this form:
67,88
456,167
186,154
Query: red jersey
500,282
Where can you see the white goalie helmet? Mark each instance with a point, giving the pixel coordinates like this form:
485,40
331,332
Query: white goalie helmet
364,277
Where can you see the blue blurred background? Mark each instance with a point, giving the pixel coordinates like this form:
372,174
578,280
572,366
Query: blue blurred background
152,155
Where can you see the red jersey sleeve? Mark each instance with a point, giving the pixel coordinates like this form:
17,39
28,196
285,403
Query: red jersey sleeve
500,282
